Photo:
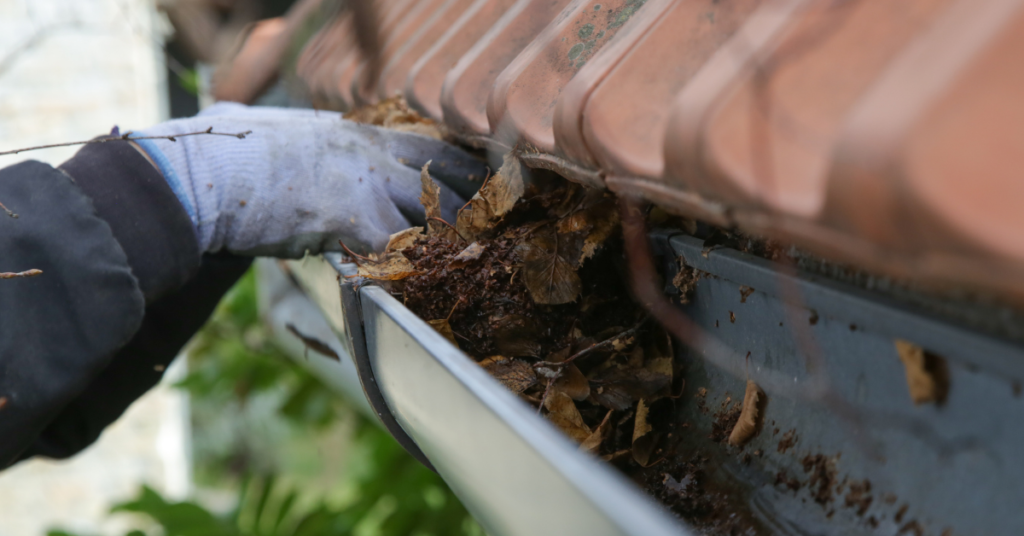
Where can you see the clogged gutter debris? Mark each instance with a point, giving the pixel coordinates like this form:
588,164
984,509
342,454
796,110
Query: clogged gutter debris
530,282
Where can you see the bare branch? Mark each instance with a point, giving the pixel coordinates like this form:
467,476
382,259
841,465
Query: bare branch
16,275
128,137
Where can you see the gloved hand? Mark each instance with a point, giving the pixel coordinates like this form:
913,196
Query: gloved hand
303,179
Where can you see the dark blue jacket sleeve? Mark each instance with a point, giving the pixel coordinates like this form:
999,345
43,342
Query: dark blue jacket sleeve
123,287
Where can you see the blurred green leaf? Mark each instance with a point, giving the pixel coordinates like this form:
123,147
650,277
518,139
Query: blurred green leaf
189,81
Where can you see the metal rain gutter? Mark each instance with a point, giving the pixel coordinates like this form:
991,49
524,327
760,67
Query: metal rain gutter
515,472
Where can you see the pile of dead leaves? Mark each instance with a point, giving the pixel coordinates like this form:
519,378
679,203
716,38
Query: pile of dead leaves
528,281
394,113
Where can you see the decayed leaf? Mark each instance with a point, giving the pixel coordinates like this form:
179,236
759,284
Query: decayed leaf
620,387
927,377
747,423
549,277
494,199
659,362
515,335
515,374
392,268
403,239
685,280
643,438
444,328
573,383
430,198
604,218
471,253
562,413
593,442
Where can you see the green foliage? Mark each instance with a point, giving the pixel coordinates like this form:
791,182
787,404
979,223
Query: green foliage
189,81
232,359
238,379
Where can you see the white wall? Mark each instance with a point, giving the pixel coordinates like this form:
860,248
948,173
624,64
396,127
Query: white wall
70,70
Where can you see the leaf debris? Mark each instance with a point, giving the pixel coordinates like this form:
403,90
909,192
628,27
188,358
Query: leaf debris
747,424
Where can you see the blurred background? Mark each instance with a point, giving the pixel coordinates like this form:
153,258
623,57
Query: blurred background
237,440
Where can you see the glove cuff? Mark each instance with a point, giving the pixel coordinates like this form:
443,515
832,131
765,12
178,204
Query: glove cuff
171,176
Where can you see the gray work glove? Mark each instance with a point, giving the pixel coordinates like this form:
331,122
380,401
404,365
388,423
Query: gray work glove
302,179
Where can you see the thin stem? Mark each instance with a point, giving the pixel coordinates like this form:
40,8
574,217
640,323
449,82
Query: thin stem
128,137
593,347
353,254
452,227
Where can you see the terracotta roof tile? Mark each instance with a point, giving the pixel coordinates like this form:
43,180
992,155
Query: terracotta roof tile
887,133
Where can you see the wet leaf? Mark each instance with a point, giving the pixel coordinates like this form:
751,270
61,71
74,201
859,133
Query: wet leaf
593,442
515,374
618,388
748,421
643,438
430,198
549,277
495,199
562,413
515,335
573,383
471,253
403,239
927,375
442,326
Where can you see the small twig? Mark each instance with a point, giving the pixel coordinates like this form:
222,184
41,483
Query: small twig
128,137
453,309
452,227
15,275
353,254
593,347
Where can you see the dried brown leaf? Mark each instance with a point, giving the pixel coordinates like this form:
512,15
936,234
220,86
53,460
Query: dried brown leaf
927,376
748,421
470,254
604,219
505,187
403,239
549,277
391,268
430,198
515,374
592,443
495,199
442,326
394,113
643,438
562,413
